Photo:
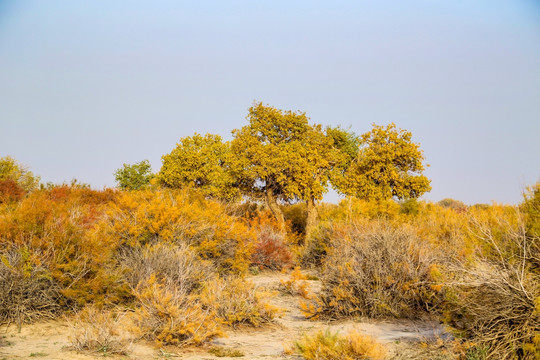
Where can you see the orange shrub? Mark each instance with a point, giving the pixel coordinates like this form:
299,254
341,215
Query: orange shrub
57,229
169,315
182,217
10,191
270,250
236,301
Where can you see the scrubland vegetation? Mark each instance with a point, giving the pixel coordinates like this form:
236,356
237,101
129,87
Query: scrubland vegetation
165,257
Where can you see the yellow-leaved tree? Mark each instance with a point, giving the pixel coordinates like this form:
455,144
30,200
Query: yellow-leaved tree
202,162
280,157
388,165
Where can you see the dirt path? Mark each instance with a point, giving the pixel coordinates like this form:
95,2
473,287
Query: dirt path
50,340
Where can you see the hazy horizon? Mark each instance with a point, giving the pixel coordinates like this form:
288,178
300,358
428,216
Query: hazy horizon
88,86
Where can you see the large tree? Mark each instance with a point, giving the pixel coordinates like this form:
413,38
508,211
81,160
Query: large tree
388,165
202,162
280,157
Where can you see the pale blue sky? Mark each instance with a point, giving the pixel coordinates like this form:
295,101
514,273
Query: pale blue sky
86,86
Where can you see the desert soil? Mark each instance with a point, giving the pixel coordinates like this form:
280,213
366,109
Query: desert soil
404,339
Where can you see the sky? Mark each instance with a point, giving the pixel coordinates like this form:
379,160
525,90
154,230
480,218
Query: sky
86,86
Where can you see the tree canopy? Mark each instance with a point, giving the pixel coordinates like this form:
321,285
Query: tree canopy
282,158
202,162
134,177
388,165
11,169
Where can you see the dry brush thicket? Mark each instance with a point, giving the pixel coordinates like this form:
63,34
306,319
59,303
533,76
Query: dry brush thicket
160,253
376,269
178,261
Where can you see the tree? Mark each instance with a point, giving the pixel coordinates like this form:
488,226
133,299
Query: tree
388,165
531,209
134,177
11,169
263,151
280,157
314,161
202,162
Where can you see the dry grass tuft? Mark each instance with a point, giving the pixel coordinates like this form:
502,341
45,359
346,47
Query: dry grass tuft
220,351
295,285
98,331
169,315
328,346
238,302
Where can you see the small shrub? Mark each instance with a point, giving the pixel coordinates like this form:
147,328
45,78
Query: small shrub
296,216
328,346
170,316
237,302
220,351
97,331
295,285
271,252
315,249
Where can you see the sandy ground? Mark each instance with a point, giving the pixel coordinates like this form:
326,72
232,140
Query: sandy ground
50,340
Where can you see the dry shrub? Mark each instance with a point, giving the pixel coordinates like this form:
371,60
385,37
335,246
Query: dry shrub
375,269
238,302
183,217
27,291
221,351
496,299
174,265
295,285
98,331
169,315
57,228
328,346
271,251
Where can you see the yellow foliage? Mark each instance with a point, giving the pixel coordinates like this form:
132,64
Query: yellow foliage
328,346
237,302
388,165
183,217
202,162
57,229
295,285
170,316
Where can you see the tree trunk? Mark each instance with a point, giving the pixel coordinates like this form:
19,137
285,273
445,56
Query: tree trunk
311,222
271,201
